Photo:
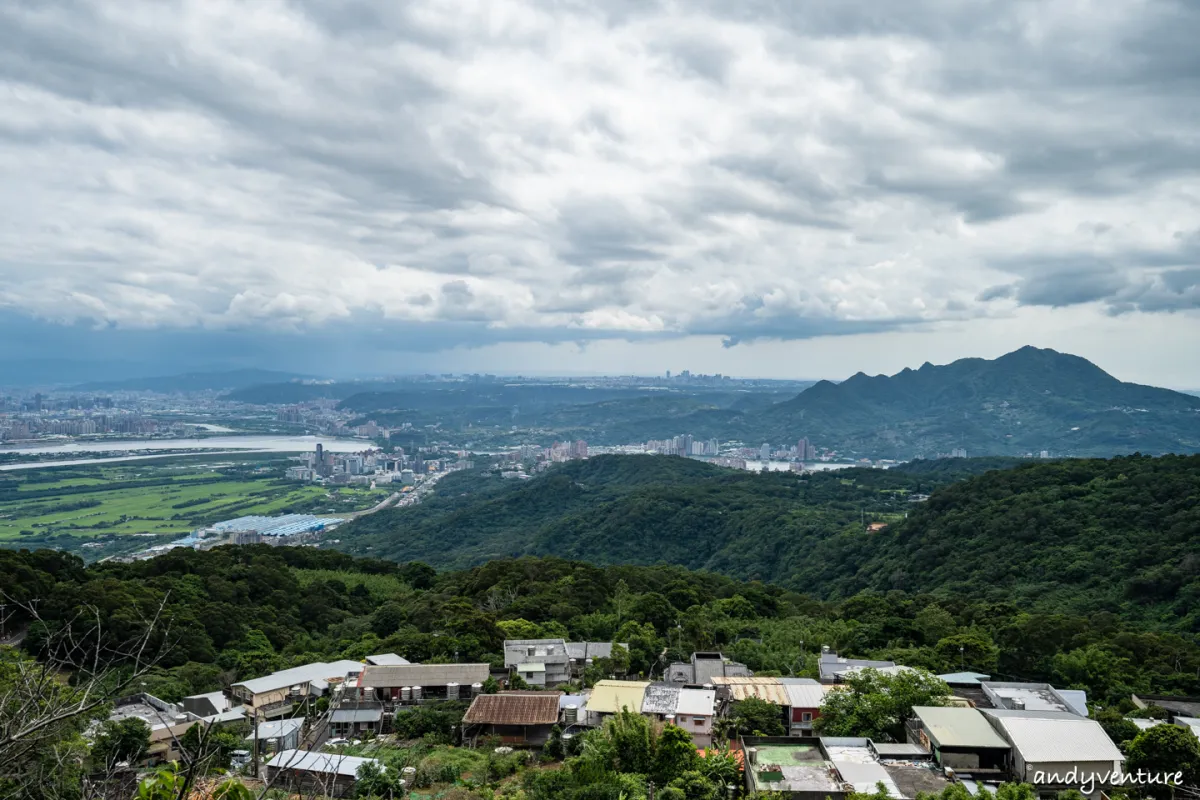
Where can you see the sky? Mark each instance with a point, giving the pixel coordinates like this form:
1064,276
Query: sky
756,188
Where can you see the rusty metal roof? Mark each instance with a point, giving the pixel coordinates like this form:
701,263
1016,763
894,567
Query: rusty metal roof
769,689
514,708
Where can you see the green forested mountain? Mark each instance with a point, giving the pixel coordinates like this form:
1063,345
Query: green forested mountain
1027,401
1118,536
643,510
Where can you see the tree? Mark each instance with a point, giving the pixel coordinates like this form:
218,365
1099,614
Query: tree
1119,729
756,717
973,650
119,741
876,705
207,747
935,623
674,754
1165,749
721,768
375,781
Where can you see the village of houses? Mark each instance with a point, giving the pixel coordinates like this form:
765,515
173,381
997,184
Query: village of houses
987,732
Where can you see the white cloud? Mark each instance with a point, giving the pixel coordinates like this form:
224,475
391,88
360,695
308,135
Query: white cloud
537,170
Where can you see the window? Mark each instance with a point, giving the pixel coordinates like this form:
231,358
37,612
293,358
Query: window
699,722
682,720
806,716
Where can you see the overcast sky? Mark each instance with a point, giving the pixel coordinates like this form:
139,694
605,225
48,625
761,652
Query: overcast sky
795,189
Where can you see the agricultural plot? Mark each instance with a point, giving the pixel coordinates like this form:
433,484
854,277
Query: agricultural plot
101,501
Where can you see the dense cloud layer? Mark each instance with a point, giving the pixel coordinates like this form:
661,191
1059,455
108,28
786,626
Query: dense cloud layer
490,171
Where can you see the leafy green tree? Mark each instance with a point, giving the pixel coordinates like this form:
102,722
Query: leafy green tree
1165,749
721,767
118,741
210,746
1118,728
375,781
935,623
695,786
973,649
756,717
674,755
876,705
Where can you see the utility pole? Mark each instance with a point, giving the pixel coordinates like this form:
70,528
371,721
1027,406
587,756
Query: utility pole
650,790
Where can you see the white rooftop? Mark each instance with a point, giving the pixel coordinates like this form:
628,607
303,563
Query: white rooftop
696,702
1064,738
276,728
309,673
327,763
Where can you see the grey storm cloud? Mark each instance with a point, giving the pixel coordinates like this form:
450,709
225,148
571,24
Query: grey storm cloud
466,173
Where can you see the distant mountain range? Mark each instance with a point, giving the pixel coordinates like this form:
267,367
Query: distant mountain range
1027,401
193,381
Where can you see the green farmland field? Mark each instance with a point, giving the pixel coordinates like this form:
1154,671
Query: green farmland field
68,506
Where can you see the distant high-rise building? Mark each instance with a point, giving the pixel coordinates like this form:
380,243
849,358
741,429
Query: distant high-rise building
958,452
764,453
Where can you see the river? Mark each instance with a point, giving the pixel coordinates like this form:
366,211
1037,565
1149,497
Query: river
220,444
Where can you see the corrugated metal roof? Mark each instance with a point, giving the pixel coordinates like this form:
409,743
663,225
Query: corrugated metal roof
532,666
423,675
864,776
609,697
276,728
958,727
805,695
325,763
300,675
514,708
1042,739
356,715
769,689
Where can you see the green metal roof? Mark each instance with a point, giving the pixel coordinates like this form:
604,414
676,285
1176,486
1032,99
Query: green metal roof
958,727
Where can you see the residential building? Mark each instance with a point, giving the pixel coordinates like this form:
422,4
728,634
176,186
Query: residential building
277,735
1048,745
409,684
205,705
355,718
695,711
961,739
1174,705
805,697
703,668
834,669
964,679
540,662
583,654
518,719
274,695
1034,697
315,774
610,697
690,709
1189,723
796,769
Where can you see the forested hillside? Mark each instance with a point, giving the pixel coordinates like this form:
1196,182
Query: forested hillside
1119,536
238,612
776,526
